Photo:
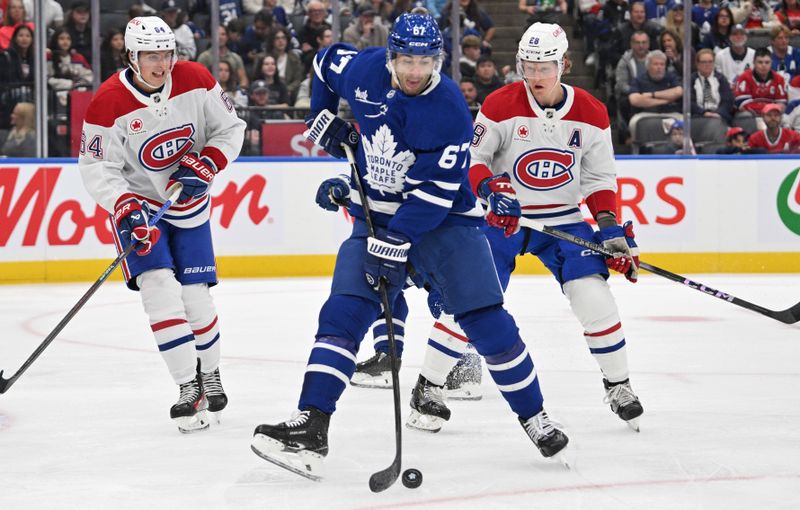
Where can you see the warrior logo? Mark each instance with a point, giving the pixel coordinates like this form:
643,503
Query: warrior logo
164,149
544,169
789,201
386,168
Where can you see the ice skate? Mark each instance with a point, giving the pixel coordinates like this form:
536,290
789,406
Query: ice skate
215,394
376,372
190,410
299,444
624,402
428,410
464,381
547,435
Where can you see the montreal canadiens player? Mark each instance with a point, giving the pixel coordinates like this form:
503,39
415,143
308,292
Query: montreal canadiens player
154,124
538,147
413,154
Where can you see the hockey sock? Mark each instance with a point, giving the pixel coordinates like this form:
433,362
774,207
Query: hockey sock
495,336
330,367
446,345
593,304
379,334
202,316
162,299
343,322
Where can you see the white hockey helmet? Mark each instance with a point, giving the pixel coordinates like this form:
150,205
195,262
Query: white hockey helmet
543,42
148,33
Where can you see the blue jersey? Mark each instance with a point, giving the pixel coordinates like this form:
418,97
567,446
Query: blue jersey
414,150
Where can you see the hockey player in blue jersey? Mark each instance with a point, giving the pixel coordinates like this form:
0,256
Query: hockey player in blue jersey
413,154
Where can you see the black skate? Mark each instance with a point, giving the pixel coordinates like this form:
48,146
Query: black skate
190,410
546,435
624,402
215,394
428,410
299,444
376,372
464,381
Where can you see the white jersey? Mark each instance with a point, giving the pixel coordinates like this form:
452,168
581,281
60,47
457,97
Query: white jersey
554,156
132,142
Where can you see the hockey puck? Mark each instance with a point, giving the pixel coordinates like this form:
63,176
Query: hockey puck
412,478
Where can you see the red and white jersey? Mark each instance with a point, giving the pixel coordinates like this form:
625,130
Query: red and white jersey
132,142
554,156
788,141
753,94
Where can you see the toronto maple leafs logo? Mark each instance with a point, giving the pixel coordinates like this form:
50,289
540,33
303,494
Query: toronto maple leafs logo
386,168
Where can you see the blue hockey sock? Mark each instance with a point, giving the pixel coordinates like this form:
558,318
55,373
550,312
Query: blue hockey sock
495,336
380,334
330,367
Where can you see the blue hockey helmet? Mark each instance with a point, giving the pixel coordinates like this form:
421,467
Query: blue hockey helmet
415,34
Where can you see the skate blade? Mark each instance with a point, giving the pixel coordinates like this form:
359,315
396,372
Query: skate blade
383,381
424,422
562,458
191,424
303,463
465,392
216,417
633,423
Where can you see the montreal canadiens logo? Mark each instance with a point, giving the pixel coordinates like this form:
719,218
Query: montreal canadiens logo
164,149
544,169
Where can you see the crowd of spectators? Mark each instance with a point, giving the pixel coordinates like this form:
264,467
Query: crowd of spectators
745,73
742,60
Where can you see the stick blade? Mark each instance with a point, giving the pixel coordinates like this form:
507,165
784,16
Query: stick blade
4,383
382,480
788,316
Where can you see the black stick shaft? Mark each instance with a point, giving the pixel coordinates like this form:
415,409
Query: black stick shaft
382,480
5,384
788,316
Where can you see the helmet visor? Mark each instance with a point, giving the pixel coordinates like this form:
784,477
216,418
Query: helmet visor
538,70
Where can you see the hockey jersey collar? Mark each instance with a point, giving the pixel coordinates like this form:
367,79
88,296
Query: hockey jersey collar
156,98
557,112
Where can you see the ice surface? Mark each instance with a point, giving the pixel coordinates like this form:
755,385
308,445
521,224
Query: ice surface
88,425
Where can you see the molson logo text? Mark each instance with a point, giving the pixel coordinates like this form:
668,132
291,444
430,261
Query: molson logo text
789,201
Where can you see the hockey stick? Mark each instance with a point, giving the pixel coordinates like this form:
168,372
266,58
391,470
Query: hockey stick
5,384
384,479
789,316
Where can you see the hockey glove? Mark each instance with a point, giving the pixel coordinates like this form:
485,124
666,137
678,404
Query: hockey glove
195,173
334,192
386,259
504,208
330,132
131,222
619,241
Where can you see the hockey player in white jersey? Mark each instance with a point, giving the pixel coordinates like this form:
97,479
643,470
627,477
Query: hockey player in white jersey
539,146
156,123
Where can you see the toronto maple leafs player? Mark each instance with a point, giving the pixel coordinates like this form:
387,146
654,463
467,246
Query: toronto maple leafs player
154,124
413,153
539,146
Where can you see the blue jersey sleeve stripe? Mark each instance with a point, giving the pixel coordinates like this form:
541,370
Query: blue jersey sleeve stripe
427,197
448,186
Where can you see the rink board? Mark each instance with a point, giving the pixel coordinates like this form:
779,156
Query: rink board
691,215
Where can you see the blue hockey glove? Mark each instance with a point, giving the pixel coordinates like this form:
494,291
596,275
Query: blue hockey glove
334,192
195,173
619,241
330,132
386,259
131,222
504,208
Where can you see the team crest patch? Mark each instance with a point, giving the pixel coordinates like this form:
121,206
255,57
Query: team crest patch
386,167
545,168
164,149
